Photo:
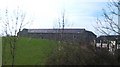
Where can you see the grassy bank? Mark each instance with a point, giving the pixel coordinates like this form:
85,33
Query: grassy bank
29,51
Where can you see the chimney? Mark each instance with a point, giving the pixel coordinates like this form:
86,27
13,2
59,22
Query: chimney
119,17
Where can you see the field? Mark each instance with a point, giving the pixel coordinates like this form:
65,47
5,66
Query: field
29,51
0,51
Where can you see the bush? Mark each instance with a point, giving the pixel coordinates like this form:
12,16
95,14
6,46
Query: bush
71,54
117,55
105,57
81,54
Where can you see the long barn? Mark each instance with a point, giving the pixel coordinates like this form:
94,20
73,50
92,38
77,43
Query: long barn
69,35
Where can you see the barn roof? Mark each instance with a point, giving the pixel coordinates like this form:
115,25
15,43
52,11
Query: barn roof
55,30
108,37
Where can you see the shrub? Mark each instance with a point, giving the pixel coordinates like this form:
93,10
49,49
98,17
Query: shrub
71,54
104,57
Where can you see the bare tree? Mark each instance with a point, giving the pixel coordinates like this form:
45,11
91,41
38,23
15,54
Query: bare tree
63,25
109,24
60,26
12,23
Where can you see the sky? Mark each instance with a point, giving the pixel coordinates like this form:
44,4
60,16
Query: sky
45,13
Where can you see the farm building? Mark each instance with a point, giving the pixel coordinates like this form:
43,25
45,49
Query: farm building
111,42
71,35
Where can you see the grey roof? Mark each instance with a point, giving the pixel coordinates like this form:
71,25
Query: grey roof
108,37
55,30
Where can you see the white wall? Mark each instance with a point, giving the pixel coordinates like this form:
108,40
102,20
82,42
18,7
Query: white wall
98,44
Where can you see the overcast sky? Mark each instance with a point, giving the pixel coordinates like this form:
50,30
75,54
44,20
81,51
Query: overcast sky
45,13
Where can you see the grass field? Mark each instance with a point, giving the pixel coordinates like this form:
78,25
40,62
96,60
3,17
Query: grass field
29,51
0,51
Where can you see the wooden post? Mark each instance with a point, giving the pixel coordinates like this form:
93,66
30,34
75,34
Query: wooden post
116,44
108,44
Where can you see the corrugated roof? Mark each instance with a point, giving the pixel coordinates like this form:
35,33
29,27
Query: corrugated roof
55,30
108,37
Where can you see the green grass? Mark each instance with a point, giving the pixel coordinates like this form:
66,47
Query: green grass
0,51
29,51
